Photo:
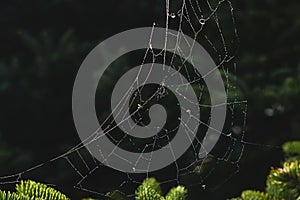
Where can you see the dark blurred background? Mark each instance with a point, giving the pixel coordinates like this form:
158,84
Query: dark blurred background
44,42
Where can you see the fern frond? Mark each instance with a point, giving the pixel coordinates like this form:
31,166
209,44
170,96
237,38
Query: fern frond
284,183
13,196
147,193
254,195
149,190
151,182
38,190
177,193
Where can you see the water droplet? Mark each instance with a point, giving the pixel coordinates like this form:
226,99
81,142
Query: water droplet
172,15
202,21
188,111
133,169
154,24
139,106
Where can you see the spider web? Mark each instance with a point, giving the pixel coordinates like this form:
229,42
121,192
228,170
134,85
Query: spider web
212,24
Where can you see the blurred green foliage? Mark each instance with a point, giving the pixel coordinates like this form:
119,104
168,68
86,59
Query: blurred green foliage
282,183
291,150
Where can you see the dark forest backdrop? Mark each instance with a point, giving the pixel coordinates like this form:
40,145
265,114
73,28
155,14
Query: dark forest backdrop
44,42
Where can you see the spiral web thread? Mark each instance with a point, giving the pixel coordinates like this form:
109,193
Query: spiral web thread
189,16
